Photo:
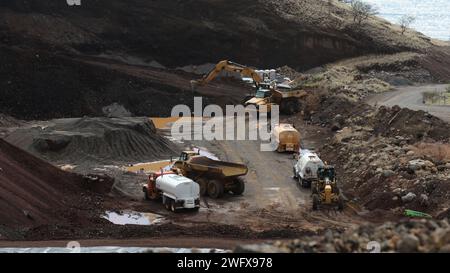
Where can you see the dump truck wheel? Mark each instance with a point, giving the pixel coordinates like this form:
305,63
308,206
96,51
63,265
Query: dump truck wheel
238,187
315,200
203,183
215,189
340,202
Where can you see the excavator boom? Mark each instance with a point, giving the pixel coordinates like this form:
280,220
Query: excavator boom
231,67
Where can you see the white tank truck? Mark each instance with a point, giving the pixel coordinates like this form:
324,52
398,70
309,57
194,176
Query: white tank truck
176,191
306,166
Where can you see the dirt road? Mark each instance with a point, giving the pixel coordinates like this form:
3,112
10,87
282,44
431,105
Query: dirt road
272,198
411,97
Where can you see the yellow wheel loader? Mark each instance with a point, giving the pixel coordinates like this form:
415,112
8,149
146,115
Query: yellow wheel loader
325,190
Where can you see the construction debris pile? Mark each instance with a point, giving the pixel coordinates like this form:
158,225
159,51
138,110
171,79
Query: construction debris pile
404,236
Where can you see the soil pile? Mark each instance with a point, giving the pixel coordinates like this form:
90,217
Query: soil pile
35,193
94,140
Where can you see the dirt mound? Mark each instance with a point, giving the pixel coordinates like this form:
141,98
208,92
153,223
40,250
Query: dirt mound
415,124
35,193
100,140
338,112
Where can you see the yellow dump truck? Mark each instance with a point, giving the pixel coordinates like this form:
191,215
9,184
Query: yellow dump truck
214,177
286,98
286,137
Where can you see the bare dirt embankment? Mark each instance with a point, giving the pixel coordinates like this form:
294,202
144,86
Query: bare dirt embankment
35,193
76,60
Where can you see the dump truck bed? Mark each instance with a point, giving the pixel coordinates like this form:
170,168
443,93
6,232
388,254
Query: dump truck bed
225,169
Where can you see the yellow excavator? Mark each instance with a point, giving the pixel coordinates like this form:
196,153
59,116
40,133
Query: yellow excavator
229,66
267,93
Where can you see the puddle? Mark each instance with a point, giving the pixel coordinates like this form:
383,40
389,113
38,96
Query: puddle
133,218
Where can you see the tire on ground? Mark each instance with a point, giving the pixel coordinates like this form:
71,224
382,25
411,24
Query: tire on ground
315,200
172,206
238,187
314,187
203,183
340,202
215,189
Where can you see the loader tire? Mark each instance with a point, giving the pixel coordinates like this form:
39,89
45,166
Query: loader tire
238,187
336,190
315,200
203,184
290,107
340,202
314,187
215,189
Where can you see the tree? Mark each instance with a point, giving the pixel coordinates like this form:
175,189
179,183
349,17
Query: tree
361,11
405,21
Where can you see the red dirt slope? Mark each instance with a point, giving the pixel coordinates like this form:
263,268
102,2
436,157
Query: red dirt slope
33,192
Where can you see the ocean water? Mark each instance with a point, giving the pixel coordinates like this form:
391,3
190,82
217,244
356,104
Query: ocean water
432,16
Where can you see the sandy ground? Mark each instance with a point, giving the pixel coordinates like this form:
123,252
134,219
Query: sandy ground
411,97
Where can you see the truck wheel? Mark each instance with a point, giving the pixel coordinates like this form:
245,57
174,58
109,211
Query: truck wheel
238,187
304,183
203,183
167,204
315,200
295,173
146,195
215,189
340,202
172,206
